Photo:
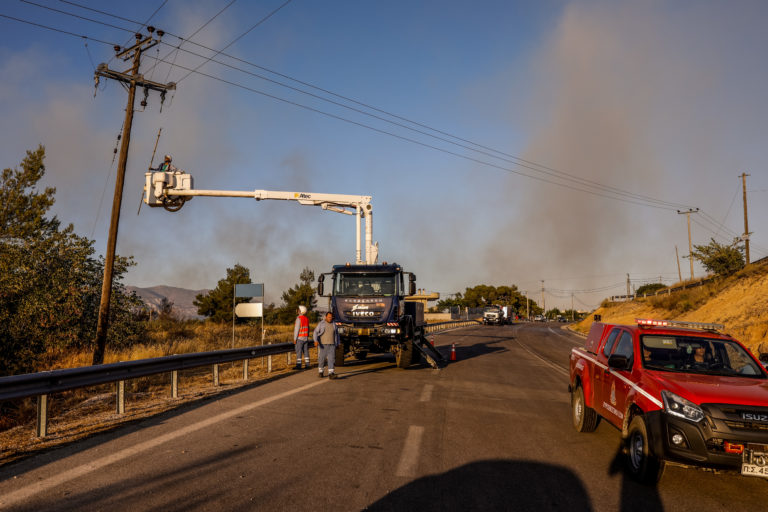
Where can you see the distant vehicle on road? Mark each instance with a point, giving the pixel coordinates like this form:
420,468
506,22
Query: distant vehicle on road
539,318
493,315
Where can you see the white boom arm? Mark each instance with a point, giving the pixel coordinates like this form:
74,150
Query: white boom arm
172,189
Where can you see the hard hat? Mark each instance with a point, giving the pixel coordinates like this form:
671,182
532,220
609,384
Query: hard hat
168,157
302,309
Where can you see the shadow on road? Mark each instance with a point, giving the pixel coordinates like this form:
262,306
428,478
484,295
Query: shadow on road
150,491
492,485
634,496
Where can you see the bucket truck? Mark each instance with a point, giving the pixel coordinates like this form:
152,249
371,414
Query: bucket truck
367,299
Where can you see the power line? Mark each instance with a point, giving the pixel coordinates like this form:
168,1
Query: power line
557,174
262,20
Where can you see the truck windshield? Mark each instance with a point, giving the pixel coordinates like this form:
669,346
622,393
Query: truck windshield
364,285
689,354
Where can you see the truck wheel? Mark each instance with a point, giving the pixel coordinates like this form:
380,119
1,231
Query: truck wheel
642,464
584,417
404,354
340,355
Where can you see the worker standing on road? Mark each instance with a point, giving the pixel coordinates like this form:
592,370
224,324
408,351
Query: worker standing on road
326,338
301,337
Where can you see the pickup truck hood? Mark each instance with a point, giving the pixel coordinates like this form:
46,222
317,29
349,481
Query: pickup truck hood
713,389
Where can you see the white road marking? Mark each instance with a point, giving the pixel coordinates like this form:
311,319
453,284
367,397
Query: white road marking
559,332
426,393
409,459
24,493
545,361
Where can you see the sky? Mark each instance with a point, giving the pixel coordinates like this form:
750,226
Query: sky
502,142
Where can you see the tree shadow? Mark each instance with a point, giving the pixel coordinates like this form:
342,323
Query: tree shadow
492,485
154,486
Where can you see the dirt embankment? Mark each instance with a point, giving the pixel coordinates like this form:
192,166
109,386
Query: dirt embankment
740,302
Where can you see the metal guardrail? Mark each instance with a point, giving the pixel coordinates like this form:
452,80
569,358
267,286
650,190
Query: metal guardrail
43,384
432,328
55,381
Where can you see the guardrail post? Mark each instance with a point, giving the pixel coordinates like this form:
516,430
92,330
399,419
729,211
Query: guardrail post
215,374
120,401
175,384
41,426
245,369
269,364
288,361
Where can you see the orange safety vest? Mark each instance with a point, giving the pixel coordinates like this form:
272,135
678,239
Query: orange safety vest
303,326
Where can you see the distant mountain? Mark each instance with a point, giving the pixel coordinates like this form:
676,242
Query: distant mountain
181,298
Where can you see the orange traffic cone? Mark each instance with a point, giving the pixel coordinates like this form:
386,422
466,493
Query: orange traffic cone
453,351
432,340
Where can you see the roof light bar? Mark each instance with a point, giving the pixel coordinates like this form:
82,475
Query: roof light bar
644,322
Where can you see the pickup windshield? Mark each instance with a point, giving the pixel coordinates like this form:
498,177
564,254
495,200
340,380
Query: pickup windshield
364,285
689,354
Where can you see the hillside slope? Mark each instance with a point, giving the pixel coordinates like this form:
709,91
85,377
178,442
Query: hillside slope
182,299
740,302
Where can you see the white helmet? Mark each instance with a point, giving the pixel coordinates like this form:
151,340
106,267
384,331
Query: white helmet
168,158
302,309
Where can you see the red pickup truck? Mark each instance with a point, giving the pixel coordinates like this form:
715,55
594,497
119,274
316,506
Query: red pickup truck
680,392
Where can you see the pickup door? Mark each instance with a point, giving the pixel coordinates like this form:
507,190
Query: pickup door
613,390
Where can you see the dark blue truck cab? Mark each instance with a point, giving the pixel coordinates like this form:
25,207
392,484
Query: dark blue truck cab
371,313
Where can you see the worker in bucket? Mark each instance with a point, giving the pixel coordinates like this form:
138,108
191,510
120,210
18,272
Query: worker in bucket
301,337
167,166
326,338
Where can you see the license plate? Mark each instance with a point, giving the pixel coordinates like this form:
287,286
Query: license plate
754,470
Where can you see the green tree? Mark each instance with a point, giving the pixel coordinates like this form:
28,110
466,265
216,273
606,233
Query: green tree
217,303
649,289
50,283
718,259
303,294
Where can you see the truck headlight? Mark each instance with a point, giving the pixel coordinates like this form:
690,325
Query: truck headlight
680,407
342,330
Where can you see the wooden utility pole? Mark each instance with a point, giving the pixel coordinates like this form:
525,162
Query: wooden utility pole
679,274
690,245
746,224
133,80
543,303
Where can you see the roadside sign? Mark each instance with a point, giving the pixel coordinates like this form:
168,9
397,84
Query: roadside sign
249,290
249,309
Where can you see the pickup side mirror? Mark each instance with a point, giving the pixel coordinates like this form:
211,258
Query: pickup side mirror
618,362
411,284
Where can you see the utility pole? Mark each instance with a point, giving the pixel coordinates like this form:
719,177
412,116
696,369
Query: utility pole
679,273
543,302
628,287
746,224
132,80
690,246
571,306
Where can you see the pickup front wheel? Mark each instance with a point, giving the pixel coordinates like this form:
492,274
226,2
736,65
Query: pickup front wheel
584,418
642,464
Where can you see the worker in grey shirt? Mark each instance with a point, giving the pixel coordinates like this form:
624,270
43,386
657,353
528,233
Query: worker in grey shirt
326,338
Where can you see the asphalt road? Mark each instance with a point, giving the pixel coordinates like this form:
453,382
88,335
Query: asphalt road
491,431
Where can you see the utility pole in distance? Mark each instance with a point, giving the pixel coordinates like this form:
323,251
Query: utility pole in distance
543,304
746,224
132,80
690,246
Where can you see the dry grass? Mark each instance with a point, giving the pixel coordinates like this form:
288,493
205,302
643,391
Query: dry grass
80,413
740,302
